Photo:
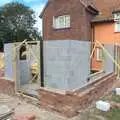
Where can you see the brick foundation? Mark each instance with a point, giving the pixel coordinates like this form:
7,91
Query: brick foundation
67,103
7,87
70,103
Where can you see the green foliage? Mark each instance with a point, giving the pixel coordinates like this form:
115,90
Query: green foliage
17,23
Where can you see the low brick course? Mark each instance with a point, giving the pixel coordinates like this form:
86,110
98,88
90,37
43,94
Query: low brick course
70,103
7,87
24,117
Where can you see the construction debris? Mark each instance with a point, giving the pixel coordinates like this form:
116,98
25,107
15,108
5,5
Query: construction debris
6,116
4,109
5,112
103,106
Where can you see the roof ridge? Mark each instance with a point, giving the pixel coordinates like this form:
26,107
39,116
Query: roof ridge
83,3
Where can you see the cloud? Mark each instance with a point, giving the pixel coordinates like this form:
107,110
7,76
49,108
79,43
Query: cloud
38,9
2,2
28,1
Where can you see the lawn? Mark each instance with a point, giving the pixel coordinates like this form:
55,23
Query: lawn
113,114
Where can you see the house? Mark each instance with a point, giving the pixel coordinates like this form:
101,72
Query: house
106,30
66,85
68,19
67,34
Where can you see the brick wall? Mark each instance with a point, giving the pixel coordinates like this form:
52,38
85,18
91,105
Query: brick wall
80,21
106,7
70,103
7,87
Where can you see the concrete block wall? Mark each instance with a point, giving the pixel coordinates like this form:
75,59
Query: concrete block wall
8,50
79,67
66,63
56,62
108,63
23,71
23,67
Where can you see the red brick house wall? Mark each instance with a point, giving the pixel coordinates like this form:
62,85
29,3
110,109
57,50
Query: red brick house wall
80,20
104,28
106,7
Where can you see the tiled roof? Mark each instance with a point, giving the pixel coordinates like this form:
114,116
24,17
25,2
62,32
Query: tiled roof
86,3
105,8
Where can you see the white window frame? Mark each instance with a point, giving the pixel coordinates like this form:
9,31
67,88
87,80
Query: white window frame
99,54
58,24
117,21
117,16
117,26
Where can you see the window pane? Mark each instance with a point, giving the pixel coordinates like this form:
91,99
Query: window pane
117,16
61,21
67,20
118,27
54,22
57,23
99,54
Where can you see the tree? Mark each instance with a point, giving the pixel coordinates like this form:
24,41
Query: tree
35,35
16,23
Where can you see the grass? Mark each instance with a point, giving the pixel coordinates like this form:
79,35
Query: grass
112,97
113,114
116,98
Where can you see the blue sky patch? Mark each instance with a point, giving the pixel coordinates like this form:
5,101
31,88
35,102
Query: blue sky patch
36,5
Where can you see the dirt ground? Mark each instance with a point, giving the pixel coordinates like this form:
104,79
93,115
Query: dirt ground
24,106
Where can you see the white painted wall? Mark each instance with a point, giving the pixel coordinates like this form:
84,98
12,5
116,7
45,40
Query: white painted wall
108,63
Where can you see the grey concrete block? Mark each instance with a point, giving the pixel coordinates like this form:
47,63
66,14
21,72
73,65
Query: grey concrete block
66,63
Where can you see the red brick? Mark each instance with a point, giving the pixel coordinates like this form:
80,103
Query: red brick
70,104
80,21
7,87
24,117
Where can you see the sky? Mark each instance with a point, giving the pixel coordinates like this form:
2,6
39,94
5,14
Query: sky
36,5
